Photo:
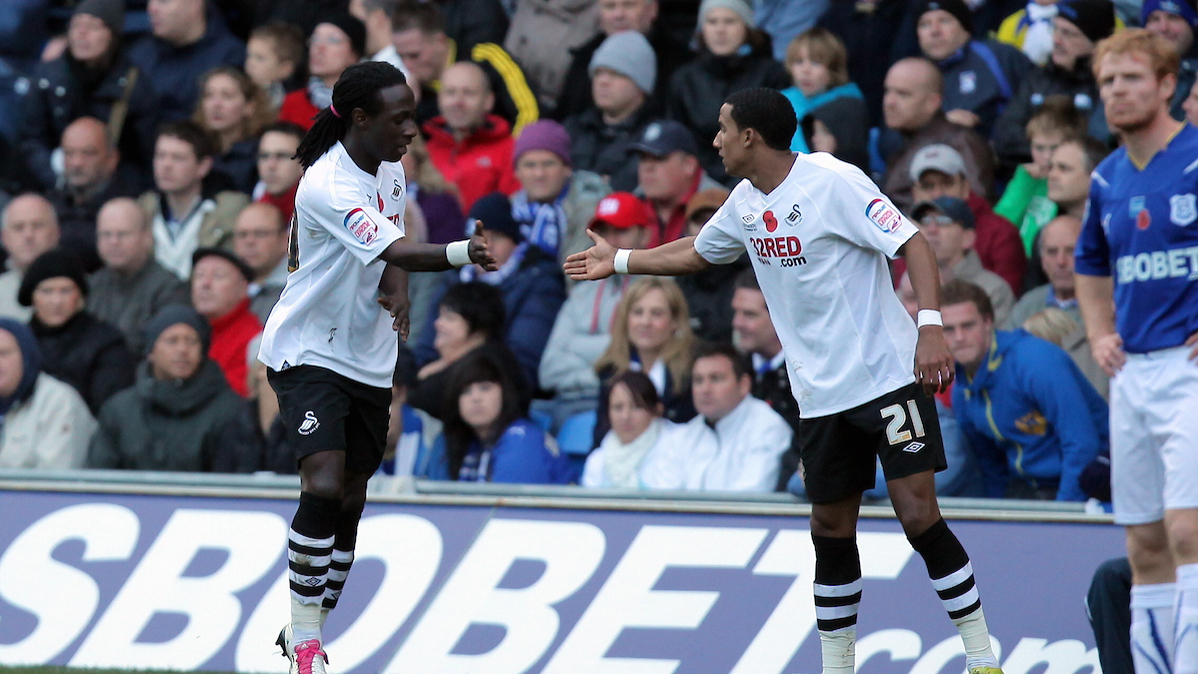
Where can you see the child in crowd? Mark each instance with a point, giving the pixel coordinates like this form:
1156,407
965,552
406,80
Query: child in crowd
274,57
818,63
1025,202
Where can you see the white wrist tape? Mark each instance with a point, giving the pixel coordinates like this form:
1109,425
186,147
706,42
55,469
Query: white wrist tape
621,261
928,317
458,253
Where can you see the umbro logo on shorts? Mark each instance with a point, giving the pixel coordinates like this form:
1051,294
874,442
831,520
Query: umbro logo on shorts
912,448
310,424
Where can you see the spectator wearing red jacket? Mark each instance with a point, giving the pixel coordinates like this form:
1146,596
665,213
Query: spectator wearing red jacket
470,146
337,42
220,284
938,170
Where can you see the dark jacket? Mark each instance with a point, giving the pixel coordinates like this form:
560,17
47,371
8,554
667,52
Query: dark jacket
576,92
473,22
981,77
170,425
88,354
1186,75
1010,131
128,302
63,90
677,401
698,89
428,394
173,71
266,451
515,101
532,296
979,158
77,218
602,148
773,386
709,298
848,121
240,164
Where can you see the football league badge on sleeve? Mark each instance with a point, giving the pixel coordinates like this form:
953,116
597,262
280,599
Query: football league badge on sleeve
1183,209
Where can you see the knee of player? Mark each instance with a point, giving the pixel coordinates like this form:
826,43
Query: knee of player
1182,528
324,486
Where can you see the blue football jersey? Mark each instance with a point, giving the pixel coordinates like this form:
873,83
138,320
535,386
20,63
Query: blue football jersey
1141,227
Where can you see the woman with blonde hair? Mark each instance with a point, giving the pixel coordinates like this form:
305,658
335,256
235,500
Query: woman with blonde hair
650,333
234,111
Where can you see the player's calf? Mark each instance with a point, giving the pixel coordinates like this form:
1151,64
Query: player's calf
837,597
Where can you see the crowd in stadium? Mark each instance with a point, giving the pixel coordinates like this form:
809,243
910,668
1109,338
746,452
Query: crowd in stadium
147,180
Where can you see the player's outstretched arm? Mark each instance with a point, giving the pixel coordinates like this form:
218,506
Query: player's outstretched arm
670,259
933,362
435,257
1094,299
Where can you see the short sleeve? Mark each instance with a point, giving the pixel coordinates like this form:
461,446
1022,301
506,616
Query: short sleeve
864,215
1092,256
354,222
720,242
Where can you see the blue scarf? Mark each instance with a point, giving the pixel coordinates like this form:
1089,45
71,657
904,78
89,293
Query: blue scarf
318,94
543,225
496,278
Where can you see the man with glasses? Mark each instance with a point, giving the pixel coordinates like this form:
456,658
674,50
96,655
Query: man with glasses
279,171
260,240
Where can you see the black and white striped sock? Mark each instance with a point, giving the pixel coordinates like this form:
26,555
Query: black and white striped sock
309,554
952,578
837,596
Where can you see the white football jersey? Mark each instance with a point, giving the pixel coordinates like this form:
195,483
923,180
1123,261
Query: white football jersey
818,243
328,315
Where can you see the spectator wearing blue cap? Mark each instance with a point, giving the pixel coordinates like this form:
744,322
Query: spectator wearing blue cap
45,422
949,227
623,73
177,415
733,55
669,173
1177,22
531,282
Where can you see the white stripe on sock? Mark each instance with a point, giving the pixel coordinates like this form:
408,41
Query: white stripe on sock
965,600
954,579
835,612
846,590
303,540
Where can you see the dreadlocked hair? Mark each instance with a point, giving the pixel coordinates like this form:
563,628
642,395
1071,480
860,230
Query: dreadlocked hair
358,87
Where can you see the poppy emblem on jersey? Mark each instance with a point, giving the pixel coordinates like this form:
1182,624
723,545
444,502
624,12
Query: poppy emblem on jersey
771,223
1183,209
310,423
361,226
884,216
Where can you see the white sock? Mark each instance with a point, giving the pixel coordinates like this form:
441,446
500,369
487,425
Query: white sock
839,650
1185,646
1152,627
976,637
306,621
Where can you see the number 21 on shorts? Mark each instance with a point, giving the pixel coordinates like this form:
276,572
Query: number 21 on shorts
896,418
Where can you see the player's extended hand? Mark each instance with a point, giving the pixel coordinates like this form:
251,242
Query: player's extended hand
1107,351
398,305
594,263
479,254
933,361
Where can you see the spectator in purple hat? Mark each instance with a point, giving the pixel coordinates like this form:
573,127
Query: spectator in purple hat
1177,22
556,202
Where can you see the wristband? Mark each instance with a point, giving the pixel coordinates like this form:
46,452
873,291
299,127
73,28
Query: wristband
928,317
621,261
458,253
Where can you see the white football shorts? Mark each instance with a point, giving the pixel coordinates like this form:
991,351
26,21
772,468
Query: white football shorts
1154,435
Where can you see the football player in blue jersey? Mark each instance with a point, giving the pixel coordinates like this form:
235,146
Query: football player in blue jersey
1139,246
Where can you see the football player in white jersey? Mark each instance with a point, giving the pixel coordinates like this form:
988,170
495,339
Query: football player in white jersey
818,233
329,346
